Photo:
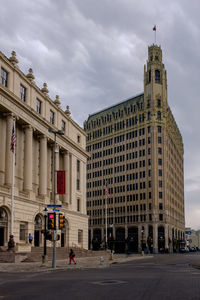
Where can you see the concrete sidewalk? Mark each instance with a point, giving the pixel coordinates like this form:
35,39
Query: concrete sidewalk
82,263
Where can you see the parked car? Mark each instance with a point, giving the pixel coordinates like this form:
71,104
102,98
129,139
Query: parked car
184,250
193,249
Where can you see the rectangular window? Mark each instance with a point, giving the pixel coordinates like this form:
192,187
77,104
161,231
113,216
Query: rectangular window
160,195
78,184
4,77
160,206
22,232
78,205
63,126
78,166
159,129
159,172
78,139
159,150
159,140
160,217
160,161
38,106
52,117
160,183
22,93
80,236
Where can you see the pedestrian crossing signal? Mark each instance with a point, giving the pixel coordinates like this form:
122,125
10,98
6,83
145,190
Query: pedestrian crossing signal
51,221
61,221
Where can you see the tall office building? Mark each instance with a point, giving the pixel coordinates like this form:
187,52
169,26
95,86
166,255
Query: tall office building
136,149
33,171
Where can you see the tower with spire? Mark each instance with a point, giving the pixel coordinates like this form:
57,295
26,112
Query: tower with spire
135,147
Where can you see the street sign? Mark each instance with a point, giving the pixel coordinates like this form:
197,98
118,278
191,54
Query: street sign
56,210
54,205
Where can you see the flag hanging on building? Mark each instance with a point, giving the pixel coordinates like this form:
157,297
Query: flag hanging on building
107,190
154,28
60,182
13,139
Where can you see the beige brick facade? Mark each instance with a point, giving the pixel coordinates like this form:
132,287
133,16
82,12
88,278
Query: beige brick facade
136,147
35,112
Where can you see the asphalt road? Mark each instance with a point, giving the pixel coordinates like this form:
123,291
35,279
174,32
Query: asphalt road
169,277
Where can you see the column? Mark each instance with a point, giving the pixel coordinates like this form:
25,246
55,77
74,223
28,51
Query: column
146,233
57,167
167,236
102,234
8,162
70,178
28,167
155,238
43,166
67,175
170,239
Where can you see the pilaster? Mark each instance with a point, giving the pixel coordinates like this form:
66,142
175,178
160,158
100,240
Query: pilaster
28,167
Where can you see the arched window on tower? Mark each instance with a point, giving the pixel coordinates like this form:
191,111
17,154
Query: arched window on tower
157,76
159,115
149,78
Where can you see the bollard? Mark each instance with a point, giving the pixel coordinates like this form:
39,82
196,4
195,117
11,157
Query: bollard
142,253
101,260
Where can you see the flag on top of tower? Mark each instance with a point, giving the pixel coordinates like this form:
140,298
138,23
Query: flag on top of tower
154,28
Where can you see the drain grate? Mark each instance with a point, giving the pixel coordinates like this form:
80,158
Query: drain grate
108,282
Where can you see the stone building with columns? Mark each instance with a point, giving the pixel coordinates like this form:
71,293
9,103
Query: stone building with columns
136,148
35,113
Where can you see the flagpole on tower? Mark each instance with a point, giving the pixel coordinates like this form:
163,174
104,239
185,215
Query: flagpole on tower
154,29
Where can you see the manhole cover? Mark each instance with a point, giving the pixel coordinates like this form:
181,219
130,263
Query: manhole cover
108,282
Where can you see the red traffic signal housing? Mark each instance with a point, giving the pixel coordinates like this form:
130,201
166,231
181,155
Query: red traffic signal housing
61,221
52,221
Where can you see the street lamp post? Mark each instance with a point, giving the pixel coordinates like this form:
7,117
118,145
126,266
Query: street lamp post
44,258
142,231
55,132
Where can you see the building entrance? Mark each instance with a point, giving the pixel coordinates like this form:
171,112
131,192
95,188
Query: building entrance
1,236
3,226
37,231
120,244
132,240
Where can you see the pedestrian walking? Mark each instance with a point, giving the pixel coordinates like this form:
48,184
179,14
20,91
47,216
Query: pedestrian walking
71,257
30,238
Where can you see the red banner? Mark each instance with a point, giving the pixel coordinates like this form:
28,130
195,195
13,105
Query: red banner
60,182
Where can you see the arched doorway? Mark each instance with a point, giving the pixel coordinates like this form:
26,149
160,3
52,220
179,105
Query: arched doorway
161,239
37,230
3,226
120,240
132,239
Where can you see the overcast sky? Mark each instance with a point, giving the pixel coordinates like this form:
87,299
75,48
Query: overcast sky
92,54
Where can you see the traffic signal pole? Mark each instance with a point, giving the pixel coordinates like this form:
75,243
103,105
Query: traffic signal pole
60,132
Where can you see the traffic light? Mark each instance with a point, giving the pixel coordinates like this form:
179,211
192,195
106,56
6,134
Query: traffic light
61,221
52,220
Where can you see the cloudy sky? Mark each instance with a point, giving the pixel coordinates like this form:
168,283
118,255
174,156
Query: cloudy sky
92,52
